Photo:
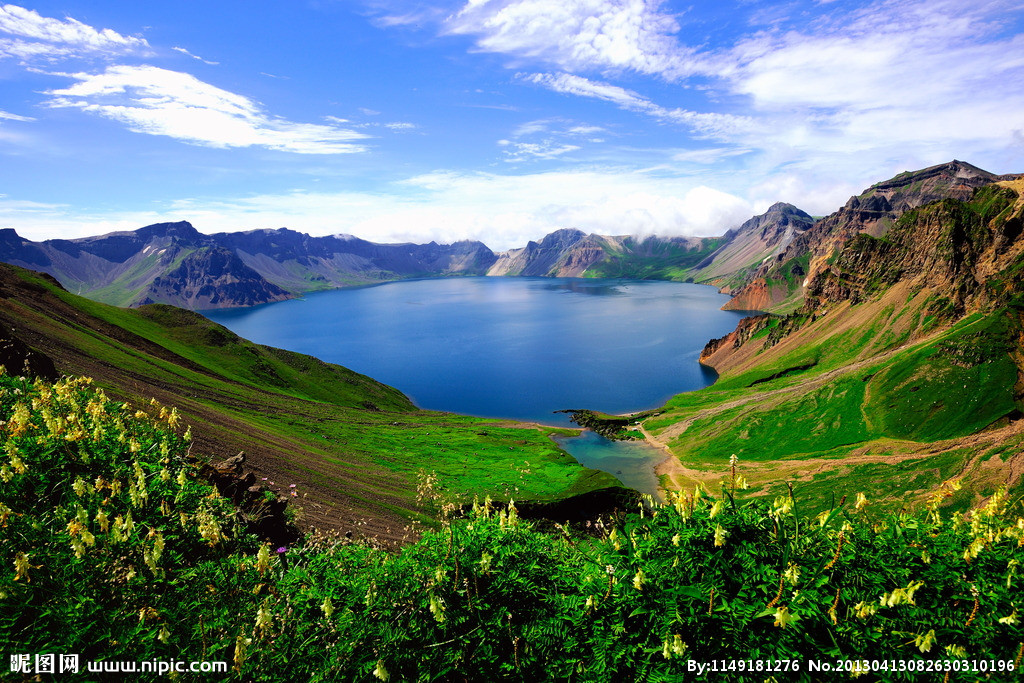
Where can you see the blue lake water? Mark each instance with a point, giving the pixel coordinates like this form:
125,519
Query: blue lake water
517,348
506,347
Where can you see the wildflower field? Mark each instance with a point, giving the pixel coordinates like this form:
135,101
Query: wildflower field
111,547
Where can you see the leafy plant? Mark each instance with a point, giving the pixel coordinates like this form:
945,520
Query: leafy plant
112,548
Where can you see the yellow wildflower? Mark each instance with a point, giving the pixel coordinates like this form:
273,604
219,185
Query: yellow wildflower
264,619
21,567
925,642
783,617
437,608
263,559
1011,620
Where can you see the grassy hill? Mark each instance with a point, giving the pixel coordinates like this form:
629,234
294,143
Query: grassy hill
901,369
352,446
113,549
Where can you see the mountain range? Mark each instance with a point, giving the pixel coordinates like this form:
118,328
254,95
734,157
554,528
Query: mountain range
888,359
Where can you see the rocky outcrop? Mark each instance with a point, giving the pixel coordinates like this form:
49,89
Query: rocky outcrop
964,250
873,213
537,259
212,278
18,358
745,329
263,511
751,245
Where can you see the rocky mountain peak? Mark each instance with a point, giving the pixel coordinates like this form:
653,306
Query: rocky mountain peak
183,230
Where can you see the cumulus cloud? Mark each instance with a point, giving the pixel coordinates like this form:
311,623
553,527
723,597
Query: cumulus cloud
503,211
617,35
156,101
36,36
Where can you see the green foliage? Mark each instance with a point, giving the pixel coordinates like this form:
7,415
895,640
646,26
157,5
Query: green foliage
487,596
653,260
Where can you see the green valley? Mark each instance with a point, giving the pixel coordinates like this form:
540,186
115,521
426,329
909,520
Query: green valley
899,370
352,446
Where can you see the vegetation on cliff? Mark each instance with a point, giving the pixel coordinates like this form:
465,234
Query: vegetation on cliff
900,368
113,549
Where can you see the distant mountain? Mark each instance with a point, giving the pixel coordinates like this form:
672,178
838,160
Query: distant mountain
765,262
174,263
778,283
895,364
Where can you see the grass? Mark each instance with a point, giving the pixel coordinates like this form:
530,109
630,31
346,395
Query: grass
358,444
114,549
666,261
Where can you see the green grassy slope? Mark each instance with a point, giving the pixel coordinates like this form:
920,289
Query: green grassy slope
892,394
352,445
113,548
653,260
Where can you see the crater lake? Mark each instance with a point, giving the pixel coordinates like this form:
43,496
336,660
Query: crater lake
506,347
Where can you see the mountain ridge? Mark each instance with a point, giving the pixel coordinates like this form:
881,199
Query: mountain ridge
164,262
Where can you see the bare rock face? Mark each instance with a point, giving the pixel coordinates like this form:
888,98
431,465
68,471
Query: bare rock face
963,250
873,212
212,278
537,259
745,329
19,359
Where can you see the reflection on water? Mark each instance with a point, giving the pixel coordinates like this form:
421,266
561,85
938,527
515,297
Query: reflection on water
631,462
595,287
517,348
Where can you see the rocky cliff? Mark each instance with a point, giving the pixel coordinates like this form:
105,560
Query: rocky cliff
211,277
751,245
871,213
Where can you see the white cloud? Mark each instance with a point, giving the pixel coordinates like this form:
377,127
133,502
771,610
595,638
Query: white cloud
709,155
618,35
710,125
889,85
156,101
189,54
4,115
547,149
552,138
903,54
38,36
503,211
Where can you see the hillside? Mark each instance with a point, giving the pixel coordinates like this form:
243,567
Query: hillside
115,550
352,446
776,285
900,366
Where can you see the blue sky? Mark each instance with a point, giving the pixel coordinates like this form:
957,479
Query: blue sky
497,120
